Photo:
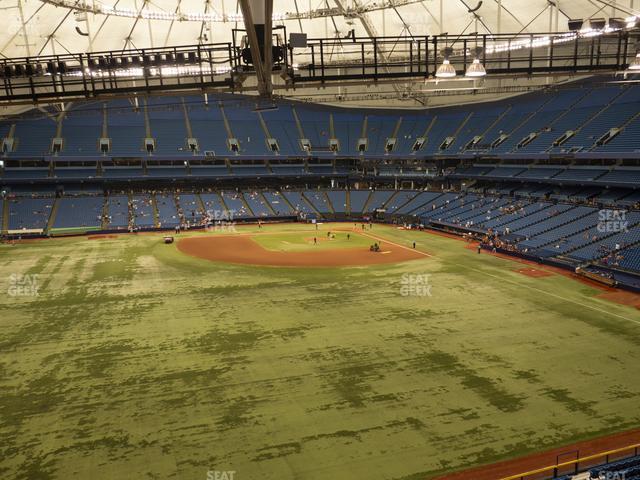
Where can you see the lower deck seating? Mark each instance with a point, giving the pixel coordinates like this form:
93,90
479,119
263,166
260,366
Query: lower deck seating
189,209
628,258
74,212
118,212
167,210
278,204
29,213
257,204
544,228
234,201
358,200
142,211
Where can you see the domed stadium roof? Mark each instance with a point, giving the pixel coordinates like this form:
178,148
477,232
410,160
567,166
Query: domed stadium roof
43,27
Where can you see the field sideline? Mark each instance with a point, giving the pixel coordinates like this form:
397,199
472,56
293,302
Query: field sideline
137,361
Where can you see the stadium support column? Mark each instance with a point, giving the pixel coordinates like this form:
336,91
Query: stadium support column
257,16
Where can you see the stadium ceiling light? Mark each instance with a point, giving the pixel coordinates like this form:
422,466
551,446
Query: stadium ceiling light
446,70
476,69
635,64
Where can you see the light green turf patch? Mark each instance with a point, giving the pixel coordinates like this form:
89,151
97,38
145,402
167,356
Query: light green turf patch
136,361
304,241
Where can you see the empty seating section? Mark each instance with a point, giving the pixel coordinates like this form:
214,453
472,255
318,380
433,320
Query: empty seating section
540,216
398,200
234,202
214,207
282,126
419,200
126,129
630,259
586,110
257,204
74,212
590,110
622,176
450,211
539,173
379,129
33,137
167,211
486,210
190,208
247,129
338,199
207,126
513,213
580,174
473,171
622,109
118,212
603,246
445,126
348,128
29,213
626,469
554,221
142,211
628,140
315,126
411,128
504,172
609,197
511,120
318,200
563,117
298,203
432,206
81,130
563,232
475,127
595,233
167,124
631,200
358,200
551,108
278,203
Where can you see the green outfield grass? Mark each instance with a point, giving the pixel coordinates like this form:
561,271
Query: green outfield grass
138,362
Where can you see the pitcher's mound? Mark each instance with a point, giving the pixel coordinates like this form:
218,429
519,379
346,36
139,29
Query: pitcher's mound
243,250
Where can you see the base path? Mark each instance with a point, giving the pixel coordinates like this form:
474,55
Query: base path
241,249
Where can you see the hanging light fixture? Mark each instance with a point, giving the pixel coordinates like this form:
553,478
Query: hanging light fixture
635,64
446,70
476,69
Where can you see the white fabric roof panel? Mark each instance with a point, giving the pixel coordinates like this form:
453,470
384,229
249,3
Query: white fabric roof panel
49,28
